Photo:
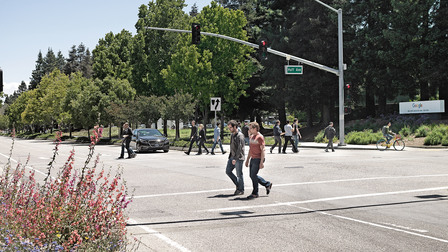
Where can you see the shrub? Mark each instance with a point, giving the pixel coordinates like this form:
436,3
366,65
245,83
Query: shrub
77,210
434,138
405,131
445,141
363,137
321,139
422,131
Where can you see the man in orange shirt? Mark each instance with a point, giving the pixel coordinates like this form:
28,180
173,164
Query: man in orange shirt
256,156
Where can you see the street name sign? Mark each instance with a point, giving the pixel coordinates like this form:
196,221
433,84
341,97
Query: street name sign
291,69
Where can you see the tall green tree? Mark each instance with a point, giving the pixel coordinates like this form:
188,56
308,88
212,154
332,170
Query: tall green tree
152,49
112,56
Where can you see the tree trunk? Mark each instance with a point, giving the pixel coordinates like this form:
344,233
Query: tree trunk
370,99
382,101
165,127
177,129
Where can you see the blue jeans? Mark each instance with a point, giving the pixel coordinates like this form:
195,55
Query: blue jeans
220,145
296,140
246,140
238,181
388,137
254,167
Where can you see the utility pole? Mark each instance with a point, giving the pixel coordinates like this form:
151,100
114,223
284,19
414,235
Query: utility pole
340,72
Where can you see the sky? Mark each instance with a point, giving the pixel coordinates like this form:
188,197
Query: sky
30,26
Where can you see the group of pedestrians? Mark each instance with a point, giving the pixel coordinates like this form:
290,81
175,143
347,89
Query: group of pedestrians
291,135
200,138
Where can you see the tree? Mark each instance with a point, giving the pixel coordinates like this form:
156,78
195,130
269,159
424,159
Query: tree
179,107
152,49
38,72
79,60
194,10
112,56
231,65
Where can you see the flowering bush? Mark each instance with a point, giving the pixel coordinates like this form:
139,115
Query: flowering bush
77,210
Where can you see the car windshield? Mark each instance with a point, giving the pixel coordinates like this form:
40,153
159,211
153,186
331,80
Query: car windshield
150,132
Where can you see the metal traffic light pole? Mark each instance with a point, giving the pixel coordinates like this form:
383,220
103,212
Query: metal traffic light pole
300,60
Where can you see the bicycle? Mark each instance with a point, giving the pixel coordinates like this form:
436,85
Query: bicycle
397,142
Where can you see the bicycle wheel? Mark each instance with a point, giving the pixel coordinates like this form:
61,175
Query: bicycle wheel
381,144
399,144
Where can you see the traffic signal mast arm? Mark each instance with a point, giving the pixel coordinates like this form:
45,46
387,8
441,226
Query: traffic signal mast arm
269,50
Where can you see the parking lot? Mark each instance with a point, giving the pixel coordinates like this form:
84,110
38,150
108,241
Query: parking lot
349,200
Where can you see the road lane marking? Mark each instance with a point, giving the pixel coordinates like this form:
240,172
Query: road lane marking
225,209
374,224
29,167
403,227
289,184
160,236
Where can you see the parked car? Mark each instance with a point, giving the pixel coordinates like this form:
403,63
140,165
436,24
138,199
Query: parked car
149,140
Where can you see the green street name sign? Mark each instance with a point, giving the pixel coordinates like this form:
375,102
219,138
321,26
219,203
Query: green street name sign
289,69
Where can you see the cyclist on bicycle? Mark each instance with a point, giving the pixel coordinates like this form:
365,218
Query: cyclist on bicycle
387,133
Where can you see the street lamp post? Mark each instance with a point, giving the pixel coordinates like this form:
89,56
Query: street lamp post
340,72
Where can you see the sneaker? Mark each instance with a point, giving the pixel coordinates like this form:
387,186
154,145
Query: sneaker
252,196
199,153
129,157
120,157
212,153
268,188
133,155
332,150
326,150
187,153
224,152
271,150
283,152
238,192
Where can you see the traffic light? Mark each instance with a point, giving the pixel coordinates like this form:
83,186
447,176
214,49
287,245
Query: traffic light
1,80
196,33
347,86
263,49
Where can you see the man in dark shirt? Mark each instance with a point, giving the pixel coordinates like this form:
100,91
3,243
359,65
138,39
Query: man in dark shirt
245,131
277,137
236,157
127,135
193,136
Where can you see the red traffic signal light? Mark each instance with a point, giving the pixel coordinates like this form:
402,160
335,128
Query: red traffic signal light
196,33
263,49
347,86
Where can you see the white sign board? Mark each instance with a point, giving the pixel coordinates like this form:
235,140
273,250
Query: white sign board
215,104
422,107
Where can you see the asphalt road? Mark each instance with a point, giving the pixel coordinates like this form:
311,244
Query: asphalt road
349,200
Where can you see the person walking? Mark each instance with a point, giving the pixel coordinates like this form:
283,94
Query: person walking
329,133
256,157
277,132
202,139
296,133
127,135
193,136
217,139
236,157
288,138
245,131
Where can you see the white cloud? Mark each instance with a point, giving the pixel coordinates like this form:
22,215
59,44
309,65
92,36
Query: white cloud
10,87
